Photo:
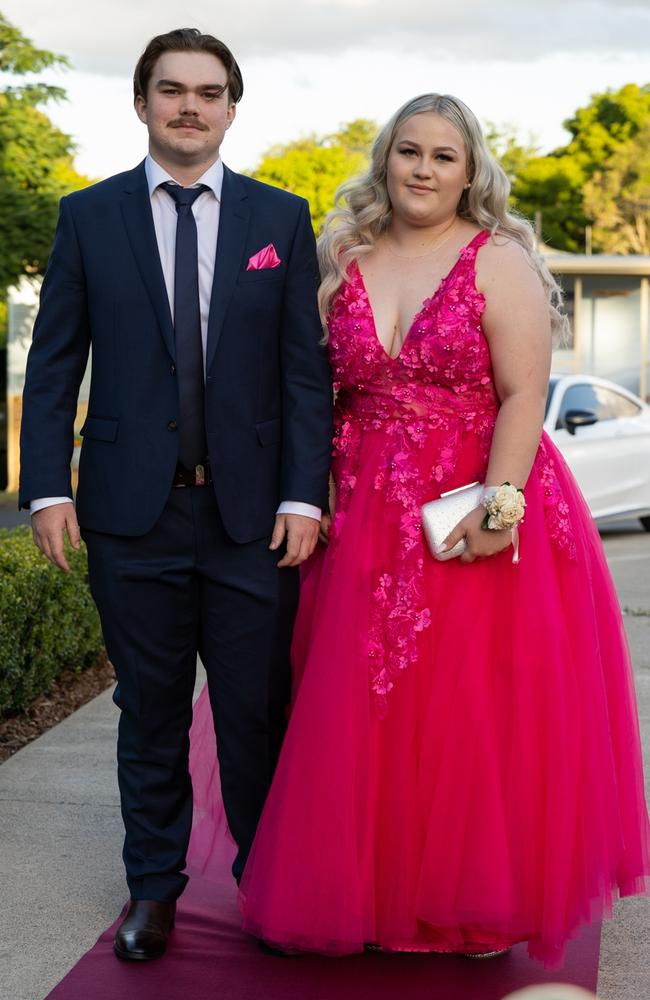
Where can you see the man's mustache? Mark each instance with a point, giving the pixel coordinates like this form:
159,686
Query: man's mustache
188,122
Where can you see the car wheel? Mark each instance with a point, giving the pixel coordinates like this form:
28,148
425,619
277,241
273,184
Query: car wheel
645,521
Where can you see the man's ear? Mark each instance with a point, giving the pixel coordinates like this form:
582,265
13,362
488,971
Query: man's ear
232,111
140,106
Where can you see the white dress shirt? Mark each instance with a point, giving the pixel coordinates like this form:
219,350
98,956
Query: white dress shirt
206,213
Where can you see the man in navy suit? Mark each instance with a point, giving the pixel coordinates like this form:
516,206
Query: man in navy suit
205,452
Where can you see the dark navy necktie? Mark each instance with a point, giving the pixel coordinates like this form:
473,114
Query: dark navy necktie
193,447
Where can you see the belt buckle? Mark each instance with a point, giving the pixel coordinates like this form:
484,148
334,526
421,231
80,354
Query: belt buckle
199,475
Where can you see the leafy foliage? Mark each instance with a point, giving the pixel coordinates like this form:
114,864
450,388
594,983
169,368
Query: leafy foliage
36,160
553,185
618,198
609,120
19,55
576,184
48,622
506,146
316,166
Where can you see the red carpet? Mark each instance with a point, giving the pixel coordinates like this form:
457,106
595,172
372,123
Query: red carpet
209,959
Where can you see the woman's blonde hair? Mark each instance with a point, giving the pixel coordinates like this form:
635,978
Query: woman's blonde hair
363,209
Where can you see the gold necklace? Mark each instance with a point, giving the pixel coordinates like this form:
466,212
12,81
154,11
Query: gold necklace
417,256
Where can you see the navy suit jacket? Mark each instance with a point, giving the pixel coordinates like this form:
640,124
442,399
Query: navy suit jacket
268,392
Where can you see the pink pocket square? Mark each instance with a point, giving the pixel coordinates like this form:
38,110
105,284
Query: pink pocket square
263,259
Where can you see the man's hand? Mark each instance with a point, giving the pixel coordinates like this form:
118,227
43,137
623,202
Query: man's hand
49,526
301,533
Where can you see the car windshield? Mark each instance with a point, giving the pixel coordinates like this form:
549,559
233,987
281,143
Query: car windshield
552,382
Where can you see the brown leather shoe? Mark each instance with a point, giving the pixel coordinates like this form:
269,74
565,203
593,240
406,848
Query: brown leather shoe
143,933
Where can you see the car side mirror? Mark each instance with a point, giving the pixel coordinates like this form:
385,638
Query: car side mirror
579,418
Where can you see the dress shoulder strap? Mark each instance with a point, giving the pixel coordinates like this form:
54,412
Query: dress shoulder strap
475,244
467,256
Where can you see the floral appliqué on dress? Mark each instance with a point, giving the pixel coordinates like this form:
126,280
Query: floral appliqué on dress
556,509
427,403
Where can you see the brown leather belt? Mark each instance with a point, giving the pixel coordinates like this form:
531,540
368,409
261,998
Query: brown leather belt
200,475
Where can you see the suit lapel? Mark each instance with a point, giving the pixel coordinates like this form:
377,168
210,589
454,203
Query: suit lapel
234,215
136,211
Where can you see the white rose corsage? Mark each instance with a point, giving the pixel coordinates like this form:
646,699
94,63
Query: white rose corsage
504,505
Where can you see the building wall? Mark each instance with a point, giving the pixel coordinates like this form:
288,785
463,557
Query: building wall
23,305
610,317
610,328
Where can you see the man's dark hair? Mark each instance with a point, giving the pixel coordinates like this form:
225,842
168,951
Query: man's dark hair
186,40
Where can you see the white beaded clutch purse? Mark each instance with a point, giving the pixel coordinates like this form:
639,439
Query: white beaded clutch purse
441,515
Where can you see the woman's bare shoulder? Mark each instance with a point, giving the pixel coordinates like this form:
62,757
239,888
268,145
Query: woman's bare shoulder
503,260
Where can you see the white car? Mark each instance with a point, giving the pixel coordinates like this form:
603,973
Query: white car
603,431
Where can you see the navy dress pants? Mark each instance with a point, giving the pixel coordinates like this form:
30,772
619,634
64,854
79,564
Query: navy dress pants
186,588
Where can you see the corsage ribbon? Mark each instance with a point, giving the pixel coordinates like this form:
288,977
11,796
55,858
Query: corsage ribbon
505,506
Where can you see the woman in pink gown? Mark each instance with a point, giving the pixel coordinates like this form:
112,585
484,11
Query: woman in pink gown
462,767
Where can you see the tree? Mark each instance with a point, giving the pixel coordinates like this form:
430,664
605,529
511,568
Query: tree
609,120
557,184
508,149
617,198
316,166
553,185
36,160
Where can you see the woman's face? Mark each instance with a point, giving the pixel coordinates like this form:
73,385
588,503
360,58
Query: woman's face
426,170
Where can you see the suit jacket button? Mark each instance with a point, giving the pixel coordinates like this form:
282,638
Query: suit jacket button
172,425
173,369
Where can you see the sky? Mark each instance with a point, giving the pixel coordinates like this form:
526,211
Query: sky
310,66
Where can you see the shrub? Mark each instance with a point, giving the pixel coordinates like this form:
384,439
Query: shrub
48,622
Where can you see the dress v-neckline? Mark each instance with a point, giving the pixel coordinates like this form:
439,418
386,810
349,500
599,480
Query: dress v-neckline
425,304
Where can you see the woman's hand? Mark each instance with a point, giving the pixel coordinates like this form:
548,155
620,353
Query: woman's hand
326,519
481,542
325,525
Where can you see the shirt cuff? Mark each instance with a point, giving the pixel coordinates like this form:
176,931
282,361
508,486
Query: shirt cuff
295,507
44,502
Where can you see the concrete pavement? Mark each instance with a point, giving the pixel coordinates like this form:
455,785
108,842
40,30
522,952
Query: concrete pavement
13,518
61,831
625,947
10,516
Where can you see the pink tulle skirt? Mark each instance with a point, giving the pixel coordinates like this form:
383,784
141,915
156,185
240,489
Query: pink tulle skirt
498,794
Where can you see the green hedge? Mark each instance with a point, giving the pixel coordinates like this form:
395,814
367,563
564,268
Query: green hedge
48,622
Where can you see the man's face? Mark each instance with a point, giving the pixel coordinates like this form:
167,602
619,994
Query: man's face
187,109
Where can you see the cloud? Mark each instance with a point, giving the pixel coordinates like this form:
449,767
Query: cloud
107,38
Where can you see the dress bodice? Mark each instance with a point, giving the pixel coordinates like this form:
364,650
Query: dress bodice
444,364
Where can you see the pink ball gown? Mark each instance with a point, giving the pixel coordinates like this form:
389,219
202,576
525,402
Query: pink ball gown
462,768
